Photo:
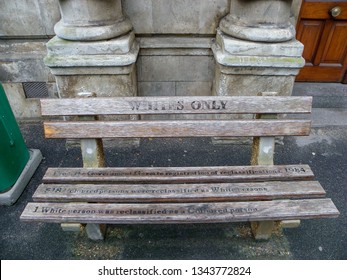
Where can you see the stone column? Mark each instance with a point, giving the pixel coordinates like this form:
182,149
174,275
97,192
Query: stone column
95,49
256,50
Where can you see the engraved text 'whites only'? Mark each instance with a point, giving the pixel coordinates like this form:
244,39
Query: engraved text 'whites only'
178,105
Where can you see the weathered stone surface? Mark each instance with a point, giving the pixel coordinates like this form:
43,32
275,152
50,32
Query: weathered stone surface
120,45
259,20
193,88
90,55
19,58
251,84
90,20
270,61
156,88
175,46
175,42
176,16
175,88
295,10
248,68
260,34
176,68
28,18
103,85
238,47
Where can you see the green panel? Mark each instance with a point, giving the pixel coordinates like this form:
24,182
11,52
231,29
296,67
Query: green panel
14,154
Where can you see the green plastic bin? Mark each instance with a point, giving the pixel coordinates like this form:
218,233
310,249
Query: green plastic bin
14,154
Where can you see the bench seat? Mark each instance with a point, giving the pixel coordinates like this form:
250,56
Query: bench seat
218,194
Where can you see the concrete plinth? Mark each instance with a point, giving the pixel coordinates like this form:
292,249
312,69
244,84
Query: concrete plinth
104,67
247,68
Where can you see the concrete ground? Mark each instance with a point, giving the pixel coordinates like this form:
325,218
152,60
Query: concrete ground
325,150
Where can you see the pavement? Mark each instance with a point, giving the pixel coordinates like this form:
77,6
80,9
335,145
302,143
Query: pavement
325,150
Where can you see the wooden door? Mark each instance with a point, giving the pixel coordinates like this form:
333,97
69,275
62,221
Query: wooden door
323,32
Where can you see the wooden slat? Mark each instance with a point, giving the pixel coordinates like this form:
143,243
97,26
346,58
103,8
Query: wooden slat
178,174
220,212
178,192
187,128
175,105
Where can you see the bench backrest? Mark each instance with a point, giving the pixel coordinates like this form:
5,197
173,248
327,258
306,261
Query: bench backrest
256,105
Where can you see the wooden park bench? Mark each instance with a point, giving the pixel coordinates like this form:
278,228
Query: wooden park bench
261,193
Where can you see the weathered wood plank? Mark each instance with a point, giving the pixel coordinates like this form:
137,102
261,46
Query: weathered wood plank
176,105
178,174
186,128
178,192
180,212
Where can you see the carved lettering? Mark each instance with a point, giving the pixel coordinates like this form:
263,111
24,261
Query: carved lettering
196,105
52,210
81,211
239,189
148,190
178,105
207,210
163,211
251,171
206,105
190,210
156,105
135,105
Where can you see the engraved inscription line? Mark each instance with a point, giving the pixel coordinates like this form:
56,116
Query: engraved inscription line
148,190
150,211
178,105
97,173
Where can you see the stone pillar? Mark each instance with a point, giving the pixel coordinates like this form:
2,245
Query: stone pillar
256,50
95,49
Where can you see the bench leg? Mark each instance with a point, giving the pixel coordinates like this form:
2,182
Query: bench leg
290,224
93,156
71,227
262,154
262,230
96,231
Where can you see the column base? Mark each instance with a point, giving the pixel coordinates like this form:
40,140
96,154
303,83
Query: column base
247,68
104,67
92,33
259,33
